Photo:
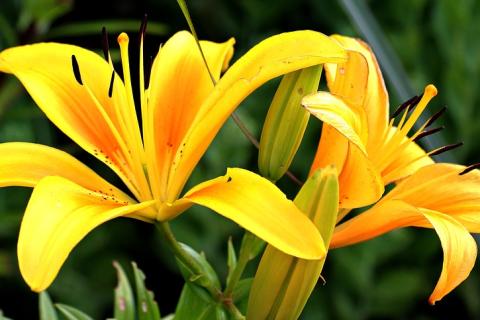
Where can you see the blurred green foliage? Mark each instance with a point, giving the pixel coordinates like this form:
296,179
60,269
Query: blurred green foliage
390,277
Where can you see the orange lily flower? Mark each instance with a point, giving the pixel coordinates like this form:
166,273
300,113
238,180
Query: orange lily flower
181,111
372,152
369,148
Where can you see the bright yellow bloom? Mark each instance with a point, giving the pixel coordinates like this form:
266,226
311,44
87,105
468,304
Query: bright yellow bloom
371,152
181,113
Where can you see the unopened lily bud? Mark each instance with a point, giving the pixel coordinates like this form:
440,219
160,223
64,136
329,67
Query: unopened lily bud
286,122
283,284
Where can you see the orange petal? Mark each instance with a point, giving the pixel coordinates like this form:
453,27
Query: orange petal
459,252
381,218
375,102
459,247
360,182
439,187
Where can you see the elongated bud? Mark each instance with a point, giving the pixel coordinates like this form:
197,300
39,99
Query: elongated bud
283,283
286,122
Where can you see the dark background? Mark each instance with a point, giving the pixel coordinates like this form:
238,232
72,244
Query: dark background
387,278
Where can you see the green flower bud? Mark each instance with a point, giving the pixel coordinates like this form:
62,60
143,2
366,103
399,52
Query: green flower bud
283,283
286,122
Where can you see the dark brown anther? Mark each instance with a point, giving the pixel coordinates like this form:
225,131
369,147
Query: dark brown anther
446,148
428,132
106,47
143,28
434,118
470,168
229,179
76,70
110,87
413,100
148,71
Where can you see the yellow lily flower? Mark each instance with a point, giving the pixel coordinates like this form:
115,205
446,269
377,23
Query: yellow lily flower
371,152
181,111
357,135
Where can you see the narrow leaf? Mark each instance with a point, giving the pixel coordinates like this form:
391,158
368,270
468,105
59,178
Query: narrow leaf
231,258
124,302
147,308
72,313
194,303
47,311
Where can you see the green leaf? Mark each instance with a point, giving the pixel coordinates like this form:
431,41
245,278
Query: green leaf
241,293
208,278
2,317
41,12
124,302
231,259
251,245
72,313
112,26
196,304
47,311
147,308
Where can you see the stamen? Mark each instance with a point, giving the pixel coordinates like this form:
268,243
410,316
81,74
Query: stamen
106,47
429,92
470,168
110,87
148,71
427,133
404,105
143,29
434,118
446,148
76,70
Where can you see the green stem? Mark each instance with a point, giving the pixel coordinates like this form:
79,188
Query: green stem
234,312
237,273
183,256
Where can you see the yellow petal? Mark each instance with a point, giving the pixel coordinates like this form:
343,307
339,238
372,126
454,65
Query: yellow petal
179,84
218,55
25,164
375,101
59,214
260,207
272,57
335,112
360,182
459,253
84,112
